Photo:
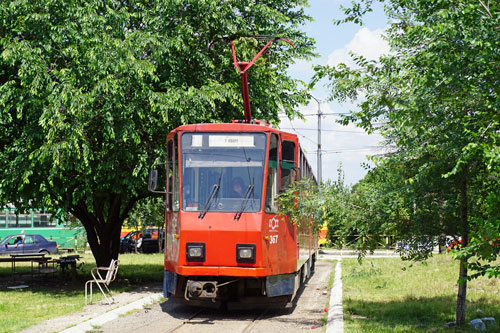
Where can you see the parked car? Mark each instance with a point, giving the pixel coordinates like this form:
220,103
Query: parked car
31,243
150,241
127,242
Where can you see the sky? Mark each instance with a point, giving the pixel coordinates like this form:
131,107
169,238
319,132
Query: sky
348,145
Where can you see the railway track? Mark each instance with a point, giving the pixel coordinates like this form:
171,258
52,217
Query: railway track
252,324
190,322
184,322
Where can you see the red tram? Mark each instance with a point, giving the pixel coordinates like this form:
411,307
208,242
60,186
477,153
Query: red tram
225,239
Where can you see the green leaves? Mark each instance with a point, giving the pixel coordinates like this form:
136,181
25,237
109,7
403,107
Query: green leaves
90,89
437,98
302,203
93,87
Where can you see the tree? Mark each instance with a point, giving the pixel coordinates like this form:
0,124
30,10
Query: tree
302,203
149,212
89,90
437,95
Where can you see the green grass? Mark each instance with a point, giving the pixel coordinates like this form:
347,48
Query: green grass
22,308
389,295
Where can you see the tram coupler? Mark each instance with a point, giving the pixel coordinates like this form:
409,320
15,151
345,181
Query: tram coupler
200,289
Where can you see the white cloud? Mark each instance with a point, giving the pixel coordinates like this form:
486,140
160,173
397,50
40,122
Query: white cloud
366,42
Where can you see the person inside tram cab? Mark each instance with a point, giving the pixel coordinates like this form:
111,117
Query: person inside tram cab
237,188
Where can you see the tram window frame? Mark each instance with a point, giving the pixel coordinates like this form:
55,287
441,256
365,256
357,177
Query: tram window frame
12,219
287,163
24,220
3,219
176,201
172,170
271,202
42,219
170,174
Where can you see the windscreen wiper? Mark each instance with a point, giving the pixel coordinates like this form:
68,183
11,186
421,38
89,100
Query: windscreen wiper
211,197
244,202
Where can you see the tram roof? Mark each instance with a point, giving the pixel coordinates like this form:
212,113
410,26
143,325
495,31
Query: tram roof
228,127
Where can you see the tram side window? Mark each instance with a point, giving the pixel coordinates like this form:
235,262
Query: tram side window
176,176
172,178
170,174
298,173
271,204
24,220
17,220
3,219
303,165
42,219
287,163
12,218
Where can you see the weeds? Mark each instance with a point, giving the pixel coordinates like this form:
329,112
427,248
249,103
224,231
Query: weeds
365,272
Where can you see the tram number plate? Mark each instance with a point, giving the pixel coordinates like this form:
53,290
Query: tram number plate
273,239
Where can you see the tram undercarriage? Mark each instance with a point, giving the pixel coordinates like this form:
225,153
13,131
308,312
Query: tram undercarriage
274,291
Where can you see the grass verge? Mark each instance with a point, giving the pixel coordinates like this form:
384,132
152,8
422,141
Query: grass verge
52,297
389,295
331,279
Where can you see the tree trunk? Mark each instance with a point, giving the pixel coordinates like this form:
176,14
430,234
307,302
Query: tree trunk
464,228
462,293
104,243
103,226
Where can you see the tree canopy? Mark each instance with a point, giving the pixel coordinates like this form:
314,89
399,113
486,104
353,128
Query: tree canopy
89,90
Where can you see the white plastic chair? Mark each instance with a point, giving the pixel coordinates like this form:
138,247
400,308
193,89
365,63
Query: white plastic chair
99,280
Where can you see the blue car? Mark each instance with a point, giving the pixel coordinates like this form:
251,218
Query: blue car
22,243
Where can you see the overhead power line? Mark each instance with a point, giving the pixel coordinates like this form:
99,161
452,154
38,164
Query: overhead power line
324,130
347,150
317,114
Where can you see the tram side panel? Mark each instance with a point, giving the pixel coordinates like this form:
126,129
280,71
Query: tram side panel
280,243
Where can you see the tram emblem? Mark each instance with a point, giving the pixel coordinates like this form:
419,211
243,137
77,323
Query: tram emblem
274,224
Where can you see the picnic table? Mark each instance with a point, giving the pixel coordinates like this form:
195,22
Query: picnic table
68,262
40,258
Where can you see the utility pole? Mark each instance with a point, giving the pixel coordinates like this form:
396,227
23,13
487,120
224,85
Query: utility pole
319,163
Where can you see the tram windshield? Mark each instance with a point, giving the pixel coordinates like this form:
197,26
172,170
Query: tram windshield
222,171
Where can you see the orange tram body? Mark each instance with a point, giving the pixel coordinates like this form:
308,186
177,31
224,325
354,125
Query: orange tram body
225,240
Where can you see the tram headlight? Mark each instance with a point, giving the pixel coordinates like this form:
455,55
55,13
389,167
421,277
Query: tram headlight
195,252
245,253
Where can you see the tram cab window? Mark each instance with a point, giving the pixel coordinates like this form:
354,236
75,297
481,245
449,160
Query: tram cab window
172,177
271,203
213,164
287,163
